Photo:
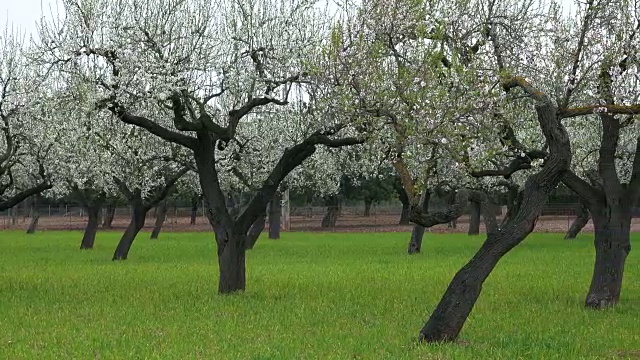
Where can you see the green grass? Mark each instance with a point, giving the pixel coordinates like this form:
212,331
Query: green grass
309,296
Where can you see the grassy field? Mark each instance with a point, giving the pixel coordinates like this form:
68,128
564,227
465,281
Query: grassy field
309,296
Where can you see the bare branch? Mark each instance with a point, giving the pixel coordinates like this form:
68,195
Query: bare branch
153,127
595,109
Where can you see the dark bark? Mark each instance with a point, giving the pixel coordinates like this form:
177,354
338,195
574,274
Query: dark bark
610,204
211,137
255,231
415,243
333,205
231,262
367,207
612,243
453,224
231,230
23,195
35,216
91,201
139,208
474,219
582,218
275,214
161,216
404,199
447,320
514,198
195,201
89,236
110,213
138,217
405,214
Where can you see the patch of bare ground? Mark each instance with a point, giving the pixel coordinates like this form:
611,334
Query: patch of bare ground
346,223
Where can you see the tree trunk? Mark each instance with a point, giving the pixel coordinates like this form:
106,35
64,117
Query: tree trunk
138,217
89,237
35,216
453,224
161,216
474,219
333,211
447,320
582,218
109,215
255,231
456,304
275,213
231,262
195,200
367,207
404,215
415,243
514,197
612,228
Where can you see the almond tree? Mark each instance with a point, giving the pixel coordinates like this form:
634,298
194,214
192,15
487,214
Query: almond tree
602,89
470,45
24,146
525,42
394,72
194,73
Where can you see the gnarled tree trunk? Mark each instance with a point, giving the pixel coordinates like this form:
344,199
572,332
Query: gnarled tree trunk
255,231
138,217
415,243
275,215
140,207
404,199
232,265
110,213
195,200
612,226
582,218
333,211
474,219
367,207
89,236
447,320
161,216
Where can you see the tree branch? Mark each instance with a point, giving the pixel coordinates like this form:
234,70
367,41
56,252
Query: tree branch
595,109
587,192
452,212
21,196
535,94
153,127
290,159
164,190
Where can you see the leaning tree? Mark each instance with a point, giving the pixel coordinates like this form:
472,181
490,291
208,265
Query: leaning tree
490,62
525,45
195,73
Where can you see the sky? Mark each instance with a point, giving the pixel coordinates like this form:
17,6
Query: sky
24,14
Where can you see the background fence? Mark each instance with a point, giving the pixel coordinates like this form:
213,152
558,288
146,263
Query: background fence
555,217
